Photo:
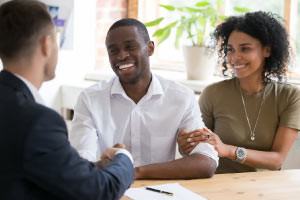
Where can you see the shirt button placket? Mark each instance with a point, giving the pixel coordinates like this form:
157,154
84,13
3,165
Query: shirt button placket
135,136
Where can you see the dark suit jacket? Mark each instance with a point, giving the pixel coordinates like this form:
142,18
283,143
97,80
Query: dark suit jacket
37,161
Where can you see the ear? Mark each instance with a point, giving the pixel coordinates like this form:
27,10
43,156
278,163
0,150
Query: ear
46,45
150,48
267,51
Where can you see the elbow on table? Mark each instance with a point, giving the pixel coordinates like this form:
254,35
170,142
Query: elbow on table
276,165
206,167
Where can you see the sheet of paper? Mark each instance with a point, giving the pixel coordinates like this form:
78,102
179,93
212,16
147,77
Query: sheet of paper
179,192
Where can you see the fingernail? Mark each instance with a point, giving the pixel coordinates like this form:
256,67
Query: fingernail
189,140
193,143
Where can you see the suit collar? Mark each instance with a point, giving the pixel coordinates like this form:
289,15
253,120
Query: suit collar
10,80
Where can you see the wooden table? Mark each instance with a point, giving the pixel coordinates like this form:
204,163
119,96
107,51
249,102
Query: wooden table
283,185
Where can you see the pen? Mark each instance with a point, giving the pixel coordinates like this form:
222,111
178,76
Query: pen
159,191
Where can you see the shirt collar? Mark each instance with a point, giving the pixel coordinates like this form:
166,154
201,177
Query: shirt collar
34,91
155,87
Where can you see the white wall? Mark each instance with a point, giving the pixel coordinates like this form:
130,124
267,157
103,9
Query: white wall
74,64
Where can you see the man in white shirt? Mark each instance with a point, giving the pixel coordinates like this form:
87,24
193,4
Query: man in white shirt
142,110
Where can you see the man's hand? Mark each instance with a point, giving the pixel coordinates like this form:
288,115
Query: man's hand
108,155
110,152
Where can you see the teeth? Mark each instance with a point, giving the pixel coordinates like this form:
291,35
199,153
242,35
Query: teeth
125,66
238,66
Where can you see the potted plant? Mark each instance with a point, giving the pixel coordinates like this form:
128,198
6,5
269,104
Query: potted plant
195,23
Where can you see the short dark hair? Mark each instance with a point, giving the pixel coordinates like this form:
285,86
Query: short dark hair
265,27
22,24
132,22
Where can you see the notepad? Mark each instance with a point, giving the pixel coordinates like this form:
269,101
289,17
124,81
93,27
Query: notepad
180,193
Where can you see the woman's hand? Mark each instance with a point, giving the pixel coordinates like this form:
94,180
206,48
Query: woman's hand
213,139
188,140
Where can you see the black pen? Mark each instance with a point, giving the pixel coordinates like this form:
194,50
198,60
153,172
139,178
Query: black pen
159,191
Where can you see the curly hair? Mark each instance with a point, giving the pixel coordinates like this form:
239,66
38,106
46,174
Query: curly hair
265,27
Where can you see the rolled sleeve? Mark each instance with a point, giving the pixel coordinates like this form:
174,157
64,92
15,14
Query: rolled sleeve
207,150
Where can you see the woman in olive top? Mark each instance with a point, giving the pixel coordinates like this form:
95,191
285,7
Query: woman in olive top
252,118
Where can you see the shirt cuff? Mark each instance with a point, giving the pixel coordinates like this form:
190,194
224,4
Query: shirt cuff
124,151
207,150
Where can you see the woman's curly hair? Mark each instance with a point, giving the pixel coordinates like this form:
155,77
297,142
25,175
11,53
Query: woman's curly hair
266,28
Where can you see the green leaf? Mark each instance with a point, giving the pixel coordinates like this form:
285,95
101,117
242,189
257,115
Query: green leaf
165,35
202,4
181,9
201,20
192,10
222,18
220,3
154,22
179,32
159,32
200,37
168,7
173,24
239,9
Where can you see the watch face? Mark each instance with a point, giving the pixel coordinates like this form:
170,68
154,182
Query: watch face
240,153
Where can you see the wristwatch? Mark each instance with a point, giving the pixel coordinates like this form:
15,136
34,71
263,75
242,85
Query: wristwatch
241,154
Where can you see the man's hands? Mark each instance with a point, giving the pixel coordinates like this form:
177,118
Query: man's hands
108,155
188,140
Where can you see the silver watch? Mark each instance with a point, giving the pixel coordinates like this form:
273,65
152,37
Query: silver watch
241,154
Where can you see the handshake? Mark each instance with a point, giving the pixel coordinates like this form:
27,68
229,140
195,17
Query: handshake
108,155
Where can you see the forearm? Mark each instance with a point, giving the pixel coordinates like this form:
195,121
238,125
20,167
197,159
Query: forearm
259,159
190,167
264,159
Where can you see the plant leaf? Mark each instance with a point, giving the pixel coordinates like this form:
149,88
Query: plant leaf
172,24
239,9
202,4
159,32
220,3
222,18
200,37
179,32
168,7
192,10
164,36
154,22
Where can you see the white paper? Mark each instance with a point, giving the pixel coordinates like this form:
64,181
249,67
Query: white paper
180,193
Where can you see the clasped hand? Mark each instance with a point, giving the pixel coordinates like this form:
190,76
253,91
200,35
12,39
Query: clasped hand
187,141
108,155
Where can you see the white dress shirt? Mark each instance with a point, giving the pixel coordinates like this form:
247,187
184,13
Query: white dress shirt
37,97
104,115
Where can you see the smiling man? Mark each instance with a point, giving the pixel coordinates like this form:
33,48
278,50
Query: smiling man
141,110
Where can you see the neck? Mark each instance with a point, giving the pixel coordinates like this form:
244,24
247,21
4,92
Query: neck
137,90
251,86
27,69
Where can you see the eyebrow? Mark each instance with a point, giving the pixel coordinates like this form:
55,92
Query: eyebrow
243,44
127,41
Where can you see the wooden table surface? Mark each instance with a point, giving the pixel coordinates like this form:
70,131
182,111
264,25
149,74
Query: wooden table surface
283,185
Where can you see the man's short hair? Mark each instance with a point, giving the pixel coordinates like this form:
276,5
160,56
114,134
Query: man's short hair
132,22
22,25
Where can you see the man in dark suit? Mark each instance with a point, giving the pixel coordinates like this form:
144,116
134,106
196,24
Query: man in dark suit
37,161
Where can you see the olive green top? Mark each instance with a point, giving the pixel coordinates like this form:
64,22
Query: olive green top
223,112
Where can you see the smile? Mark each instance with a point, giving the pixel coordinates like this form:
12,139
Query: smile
125,66
238,66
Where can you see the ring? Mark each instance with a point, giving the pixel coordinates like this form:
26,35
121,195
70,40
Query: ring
207,137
